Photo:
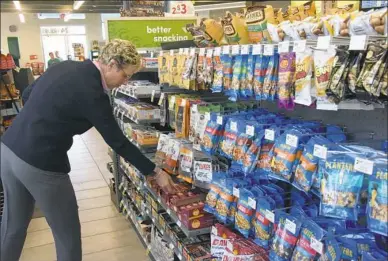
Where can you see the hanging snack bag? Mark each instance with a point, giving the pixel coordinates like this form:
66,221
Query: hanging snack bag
377,208
236,78
211,137
257,18
193,121
186,162
163,68
340,185
348,249
224,201
227,62
251,156
244,73
247,92
235,29
263,221
189,70
270,85
315,149
332,250
232,128
200,82
243,142
323,64
171,110
245,212
214,192
217,85
162,148
258,77
172,155
182,118
209,69
264,163
310,231
285,238
286,80
303,77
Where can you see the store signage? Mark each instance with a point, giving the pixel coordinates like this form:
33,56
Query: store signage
149,33
181,8
54,30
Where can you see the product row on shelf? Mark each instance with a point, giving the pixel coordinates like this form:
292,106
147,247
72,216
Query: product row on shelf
139,89
331,78
138,112
258,24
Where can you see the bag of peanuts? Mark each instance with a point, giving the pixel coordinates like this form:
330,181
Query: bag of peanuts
370,23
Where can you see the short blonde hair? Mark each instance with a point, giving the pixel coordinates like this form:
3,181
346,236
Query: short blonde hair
122,51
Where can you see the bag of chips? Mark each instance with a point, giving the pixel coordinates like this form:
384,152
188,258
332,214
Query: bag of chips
247,92
303,78
225,200
270,85
227,62
286,80
214,192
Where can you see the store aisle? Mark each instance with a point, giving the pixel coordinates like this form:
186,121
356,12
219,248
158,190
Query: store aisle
106,235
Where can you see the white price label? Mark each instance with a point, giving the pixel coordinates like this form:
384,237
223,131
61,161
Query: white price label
179,224
217,51
152,95
268,49
161,53
236,192
284,47
229,245
186,51
161,99
226,49
171,246
168,211
269,134
324,42
320,151
172,52
183,101
250,130
316,245
358,42
219,120
192,51
235,49
202,51
363,165
245,49
270,216
233,126
252,202
207,116
290,226
299,46
256,49
194,108
180,256
292,140
209,53
214,230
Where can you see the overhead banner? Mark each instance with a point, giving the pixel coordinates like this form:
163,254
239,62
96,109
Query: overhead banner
149,32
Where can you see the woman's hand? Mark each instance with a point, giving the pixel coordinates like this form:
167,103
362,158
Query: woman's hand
164,180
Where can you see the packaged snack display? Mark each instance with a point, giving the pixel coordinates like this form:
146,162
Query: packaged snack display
224,208
303,78
245,212
235,29
227,62
270,84
228,141
218,72
263,222
257,18
236,78
286,80
211,137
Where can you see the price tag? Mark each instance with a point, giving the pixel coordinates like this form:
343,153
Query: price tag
363,165
202,51
168,211
245,49
171,246
203,171
256,49
292,140
194,108
226,49
358,42
161,53
214,230
269,134
268,49
172,52
183,101
233,126
236,192
320,151
209,53
324,42
252,202
180,50
290,226
284,47
207,116
229,245
180,256
235,49
161,99
219,120
250,130
270,216
179,224
186,51
299,46
316,245
217,51
152,95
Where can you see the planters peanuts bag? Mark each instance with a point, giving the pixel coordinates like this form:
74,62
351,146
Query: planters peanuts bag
377,206
332,250
263,221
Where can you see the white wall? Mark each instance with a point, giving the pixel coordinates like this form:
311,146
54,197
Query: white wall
29,32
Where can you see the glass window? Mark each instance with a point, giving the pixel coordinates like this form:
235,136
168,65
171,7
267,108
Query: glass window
104,17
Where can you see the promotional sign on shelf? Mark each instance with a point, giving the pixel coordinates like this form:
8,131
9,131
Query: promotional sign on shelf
181,8
149,32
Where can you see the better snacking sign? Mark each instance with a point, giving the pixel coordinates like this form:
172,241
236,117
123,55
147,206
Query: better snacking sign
149,33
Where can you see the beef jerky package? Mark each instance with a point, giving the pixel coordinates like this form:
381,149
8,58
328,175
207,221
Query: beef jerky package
257,18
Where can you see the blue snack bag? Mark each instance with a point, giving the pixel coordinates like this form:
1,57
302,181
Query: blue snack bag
247,92
285,238
348,249
260,72
225,200
270,84
377,206
227,62
214,192
250,158
211,137
232,128
234,92
310,231
275,195
263,221
332,250
308,163
340,186
218,74
374,255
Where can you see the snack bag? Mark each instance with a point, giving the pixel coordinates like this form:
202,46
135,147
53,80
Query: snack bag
303,78
303,249
263,222
225,200
235,29
331,249
211,137
377,208
236,78
348,249
245,212
270,83
214,193
189,71
213,32
248,91
209,69
323,64
200,83
340,185
193,121
163,68
232,128
370,23
286,80
285,238
257,18
251,156
243,142
182,118
161,150
227,62
220,237
172,155
172,111
244,91
314,150
259,74
218,73
264,163
185,162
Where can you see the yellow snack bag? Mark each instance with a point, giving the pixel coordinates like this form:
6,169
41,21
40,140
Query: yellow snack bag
235,29
213,31
309,9
163,68
257,19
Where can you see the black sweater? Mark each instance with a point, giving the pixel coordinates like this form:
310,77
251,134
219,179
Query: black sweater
67,100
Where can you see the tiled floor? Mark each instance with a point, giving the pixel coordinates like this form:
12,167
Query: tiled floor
106,235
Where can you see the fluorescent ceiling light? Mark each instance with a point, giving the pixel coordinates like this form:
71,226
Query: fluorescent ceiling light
22,19
224,6
77,4
17,5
